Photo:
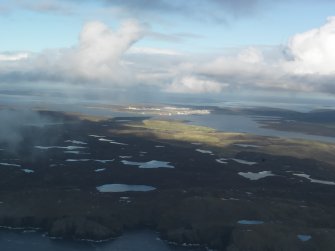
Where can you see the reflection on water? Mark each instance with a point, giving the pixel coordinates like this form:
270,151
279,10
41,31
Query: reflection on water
137,241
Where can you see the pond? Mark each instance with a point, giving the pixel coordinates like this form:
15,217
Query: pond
119,188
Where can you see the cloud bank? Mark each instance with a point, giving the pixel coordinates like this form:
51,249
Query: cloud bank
306,63
107,57
96,58
313,51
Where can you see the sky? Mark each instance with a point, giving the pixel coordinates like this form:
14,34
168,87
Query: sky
195,47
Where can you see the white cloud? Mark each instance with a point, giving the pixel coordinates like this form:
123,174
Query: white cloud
192,84
310,66
106,56
314,51
241,64
154,51
251,55
13,56
99,53
97,58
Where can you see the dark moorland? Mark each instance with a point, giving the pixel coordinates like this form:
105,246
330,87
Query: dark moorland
222,196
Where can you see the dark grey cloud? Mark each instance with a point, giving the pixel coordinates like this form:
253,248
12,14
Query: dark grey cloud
48,7
213,10
221,11
177,5
58,7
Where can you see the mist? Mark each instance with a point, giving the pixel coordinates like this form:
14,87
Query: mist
14,124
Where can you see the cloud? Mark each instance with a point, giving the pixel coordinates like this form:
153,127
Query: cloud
194,85
106,57
153,51
45,6
202,10
313,51
39,6
97,58
251,55
13,56
100,50
250,67
14,125
306,64
217,11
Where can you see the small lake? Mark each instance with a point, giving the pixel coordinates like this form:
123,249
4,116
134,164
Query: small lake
120,188
250,222
256,176
149,164
134,241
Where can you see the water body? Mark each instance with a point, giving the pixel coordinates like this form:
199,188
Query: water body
204,151
304,237
222,161
28,170
8,164
246,124
104,161
247,145
256,176
250,222
60,147
325,182
149,164
118,188
245,162
135,241
77,142
222,122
